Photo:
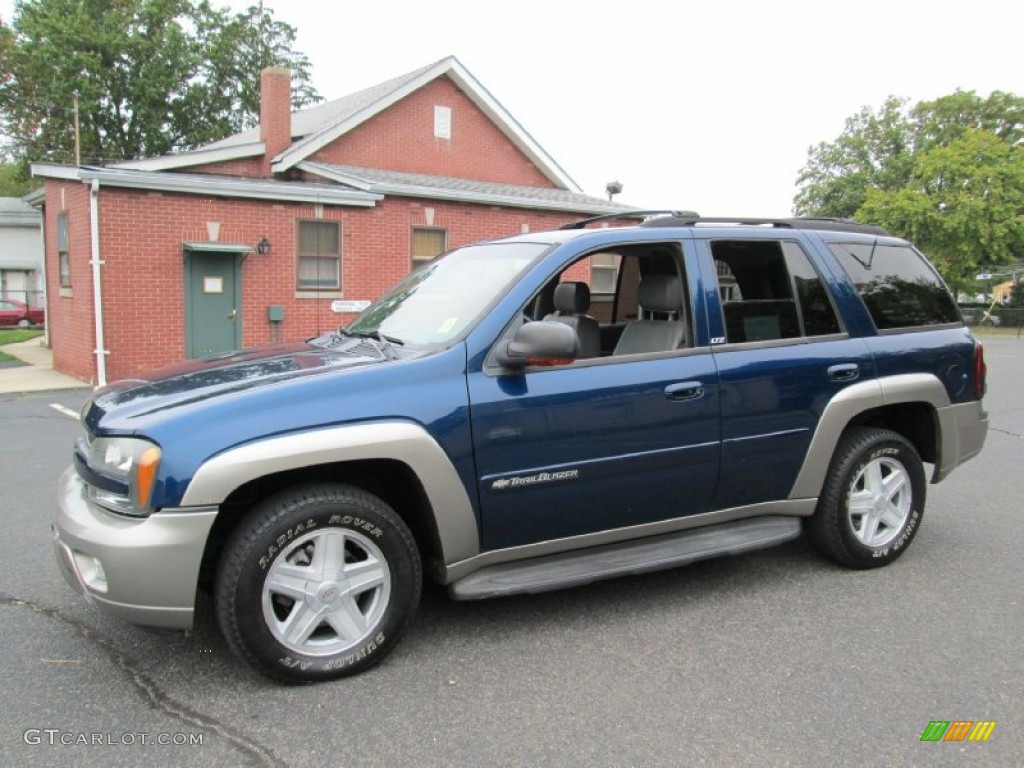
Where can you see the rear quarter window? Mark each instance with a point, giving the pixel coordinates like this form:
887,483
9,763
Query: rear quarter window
898,286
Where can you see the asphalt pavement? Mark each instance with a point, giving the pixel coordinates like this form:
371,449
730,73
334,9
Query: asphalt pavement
772,658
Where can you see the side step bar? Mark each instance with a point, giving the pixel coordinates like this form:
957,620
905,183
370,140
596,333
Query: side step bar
573,569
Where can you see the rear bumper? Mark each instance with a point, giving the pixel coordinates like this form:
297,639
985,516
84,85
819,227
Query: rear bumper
964,429
144,571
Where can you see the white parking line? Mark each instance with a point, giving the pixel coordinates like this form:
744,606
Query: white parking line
65,410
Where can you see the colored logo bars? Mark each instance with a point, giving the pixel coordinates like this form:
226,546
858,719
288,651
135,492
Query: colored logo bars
958,730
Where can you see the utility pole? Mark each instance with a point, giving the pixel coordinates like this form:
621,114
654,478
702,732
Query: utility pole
78,135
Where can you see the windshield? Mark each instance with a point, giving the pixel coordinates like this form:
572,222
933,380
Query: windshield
440,300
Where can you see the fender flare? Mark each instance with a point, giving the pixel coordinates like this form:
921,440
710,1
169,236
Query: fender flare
400,441
850,403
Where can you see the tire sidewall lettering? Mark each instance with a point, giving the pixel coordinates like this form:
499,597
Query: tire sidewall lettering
335,663
352,522
357,523
281,541
903,539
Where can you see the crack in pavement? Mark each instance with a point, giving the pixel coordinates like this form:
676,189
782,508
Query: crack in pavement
1004,432
150,690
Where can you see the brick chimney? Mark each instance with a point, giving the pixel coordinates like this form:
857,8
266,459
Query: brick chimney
275,112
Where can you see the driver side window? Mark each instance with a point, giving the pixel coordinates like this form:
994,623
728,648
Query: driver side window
643,310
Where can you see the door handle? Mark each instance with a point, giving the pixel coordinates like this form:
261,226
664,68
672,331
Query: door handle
844,372
233,315
686,390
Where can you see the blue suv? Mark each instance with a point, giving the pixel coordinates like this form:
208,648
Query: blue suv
529,414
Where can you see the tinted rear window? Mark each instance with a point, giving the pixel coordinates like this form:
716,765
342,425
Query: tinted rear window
899,288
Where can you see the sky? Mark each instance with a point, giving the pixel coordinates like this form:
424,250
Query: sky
698,106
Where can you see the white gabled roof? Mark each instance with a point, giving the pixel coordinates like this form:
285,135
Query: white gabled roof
202,156
316,127
371,102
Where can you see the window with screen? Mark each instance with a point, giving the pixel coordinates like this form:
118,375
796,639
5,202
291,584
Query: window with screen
427,245
319,256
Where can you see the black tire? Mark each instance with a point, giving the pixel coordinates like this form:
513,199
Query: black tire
881,473
318,582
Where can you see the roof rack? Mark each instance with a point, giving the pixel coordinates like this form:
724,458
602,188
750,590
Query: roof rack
807,222
628,214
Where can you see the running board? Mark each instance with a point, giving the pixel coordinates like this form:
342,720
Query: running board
573,569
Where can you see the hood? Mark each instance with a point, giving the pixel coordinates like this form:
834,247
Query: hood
223,375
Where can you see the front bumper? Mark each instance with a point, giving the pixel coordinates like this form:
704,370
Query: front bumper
144,571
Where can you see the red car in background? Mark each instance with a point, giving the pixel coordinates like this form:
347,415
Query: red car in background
13,312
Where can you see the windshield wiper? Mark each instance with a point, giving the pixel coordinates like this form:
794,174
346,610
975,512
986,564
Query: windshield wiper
386,343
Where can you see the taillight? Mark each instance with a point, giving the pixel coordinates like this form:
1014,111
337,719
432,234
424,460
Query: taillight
980,370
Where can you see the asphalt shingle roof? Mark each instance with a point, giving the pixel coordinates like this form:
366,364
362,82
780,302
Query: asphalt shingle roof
311,120
425,185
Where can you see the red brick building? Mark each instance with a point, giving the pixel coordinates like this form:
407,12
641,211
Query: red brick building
276,233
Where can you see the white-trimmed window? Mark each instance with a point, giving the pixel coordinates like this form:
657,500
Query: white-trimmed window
319,256
604,272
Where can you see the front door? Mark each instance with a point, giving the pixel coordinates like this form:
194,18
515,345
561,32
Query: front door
576,450
610,441
213,321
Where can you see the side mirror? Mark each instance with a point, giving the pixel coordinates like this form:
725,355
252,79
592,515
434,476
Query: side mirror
540,343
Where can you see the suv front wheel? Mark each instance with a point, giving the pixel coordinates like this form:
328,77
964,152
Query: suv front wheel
872,501
318,582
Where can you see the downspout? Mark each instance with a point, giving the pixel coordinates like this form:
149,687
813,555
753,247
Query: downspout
46,277
97,284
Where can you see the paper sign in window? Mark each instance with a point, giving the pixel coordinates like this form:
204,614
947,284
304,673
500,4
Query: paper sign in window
213,284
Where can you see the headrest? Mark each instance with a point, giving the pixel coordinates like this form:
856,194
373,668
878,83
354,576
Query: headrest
661,293
572,297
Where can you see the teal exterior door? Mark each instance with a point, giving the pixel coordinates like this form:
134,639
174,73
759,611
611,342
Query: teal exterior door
213,319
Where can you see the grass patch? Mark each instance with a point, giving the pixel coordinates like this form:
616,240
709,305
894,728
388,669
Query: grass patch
14,335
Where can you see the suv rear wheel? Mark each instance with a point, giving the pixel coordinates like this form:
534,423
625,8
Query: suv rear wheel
872,502
319,582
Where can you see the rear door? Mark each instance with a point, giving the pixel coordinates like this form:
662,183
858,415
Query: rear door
782,354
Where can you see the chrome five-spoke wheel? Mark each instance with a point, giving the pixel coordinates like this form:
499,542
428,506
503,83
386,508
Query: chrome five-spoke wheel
880,501
326,592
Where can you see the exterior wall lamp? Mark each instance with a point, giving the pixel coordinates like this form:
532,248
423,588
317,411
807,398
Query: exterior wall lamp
263,246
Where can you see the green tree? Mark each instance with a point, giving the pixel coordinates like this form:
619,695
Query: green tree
15,179
877,150
947,174
963,204
874,150
152,76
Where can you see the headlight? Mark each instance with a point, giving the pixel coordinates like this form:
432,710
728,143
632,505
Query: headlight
121,473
